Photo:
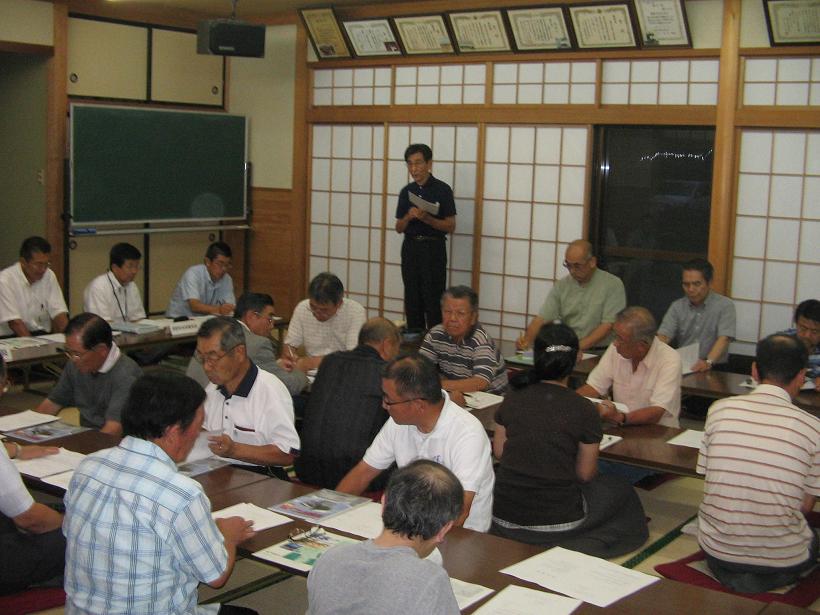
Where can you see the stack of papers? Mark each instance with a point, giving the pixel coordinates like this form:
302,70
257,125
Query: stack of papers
9,347
143,326
320,505
364,521
201,459
45,431
584,577
63,461
481,399
262,518
516,600
24,419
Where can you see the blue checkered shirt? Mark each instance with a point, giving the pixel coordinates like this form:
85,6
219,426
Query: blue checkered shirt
139,534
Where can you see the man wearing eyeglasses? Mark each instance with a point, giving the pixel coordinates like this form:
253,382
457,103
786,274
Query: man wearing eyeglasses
807,330
586,300
255,313
96,378
251,408
325,322
425,424
31,301
207,288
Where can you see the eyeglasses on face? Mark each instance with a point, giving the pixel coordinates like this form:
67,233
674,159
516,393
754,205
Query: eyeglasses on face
389,403
211,357
575,266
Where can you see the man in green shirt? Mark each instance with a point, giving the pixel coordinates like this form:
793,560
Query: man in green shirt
586,300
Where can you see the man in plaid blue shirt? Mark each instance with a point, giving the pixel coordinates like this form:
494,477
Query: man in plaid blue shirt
140,536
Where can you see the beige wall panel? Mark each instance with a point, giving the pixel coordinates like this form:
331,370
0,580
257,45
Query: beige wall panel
180,74
27,21
89,259
263,90
753,31
171,255
705,22
109,60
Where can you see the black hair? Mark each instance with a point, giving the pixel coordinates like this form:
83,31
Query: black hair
326,288
34,244
421,498
158,401
93,330
461,292
808,309
419,148
218,248
780,358
415,376
252,302
702,265
122,252
555,351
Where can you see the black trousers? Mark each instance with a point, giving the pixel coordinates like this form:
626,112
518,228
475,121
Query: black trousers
424,273
28,559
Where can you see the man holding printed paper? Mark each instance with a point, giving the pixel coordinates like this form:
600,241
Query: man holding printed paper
426,213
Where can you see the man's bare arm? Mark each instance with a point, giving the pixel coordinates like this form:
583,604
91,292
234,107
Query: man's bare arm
357,480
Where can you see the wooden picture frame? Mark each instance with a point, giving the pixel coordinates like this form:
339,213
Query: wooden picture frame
324,33
372,37
424,35
540,28
662,23
789,22
479,31
608,25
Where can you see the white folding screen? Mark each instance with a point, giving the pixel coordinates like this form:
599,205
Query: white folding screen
534,194
776,250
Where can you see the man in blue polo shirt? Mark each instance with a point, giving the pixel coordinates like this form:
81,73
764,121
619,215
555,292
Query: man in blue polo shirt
424,250
206,288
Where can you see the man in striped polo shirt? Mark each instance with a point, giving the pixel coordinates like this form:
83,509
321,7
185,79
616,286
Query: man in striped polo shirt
467,357
761,457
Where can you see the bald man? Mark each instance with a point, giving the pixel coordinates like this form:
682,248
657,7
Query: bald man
586,300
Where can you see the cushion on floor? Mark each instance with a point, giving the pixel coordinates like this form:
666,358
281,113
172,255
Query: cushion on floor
32,600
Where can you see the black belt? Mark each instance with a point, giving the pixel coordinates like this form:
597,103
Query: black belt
426,238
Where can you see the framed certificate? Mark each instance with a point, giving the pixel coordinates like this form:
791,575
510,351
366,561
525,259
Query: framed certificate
793,22
539,28
423,34
663,23
479,31
372,37
603,26
325,35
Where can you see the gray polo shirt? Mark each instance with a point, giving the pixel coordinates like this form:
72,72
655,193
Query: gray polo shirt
686,324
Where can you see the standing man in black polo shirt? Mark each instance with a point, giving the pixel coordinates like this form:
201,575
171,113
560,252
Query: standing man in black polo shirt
424,251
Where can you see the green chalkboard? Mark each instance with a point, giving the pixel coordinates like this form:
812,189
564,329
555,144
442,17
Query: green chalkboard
149,165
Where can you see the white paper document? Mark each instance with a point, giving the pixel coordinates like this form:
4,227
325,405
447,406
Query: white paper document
430,208
587,578
26,418
618,405
200,449
262,518
481,399
57,338
468,593
364,521
60,480
608,440
516,600
691,438
50,464
688,357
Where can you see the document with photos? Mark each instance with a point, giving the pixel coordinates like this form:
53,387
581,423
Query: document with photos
26,418
517,600
364,521
262,518
301,551
320,505
581,576
424,205
45,431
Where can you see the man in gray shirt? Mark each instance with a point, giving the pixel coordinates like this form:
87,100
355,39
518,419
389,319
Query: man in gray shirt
96,378
702,316
388,574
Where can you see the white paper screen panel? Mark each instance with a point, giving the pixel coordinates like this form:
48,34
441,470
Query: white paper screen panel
777,252
534,195
781,81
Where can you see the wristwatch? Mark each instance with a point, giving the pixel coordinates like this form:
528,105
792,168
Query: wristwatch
708,361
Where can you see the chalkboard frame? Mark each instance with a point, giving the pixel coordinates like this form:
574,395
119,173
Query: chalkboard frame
80,213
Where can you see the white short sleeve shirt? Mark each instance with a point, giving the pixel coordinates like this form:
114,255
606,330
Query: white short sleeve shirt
35,304
106,297
340,332
14,498
458,442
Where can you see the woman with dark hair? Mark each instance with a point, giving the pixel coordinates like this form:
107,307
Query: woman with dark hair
546,489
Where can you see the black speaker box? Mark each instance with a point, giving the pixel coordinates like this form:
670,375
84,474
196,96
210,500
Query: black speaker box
227,37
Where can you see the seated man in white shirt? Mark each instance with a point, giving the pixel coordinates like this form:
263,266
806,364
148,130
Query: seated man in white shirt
325,322
206,288
114,295
642,372
31,301
251,408
425,424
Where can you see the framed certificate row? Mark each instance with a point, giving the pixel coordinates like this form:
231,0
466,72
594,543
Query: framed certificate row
597,25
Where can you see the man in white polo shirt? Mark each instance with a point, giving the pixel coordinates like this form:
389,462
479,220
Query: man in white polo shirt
30,297
425,424
250,407
113,294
